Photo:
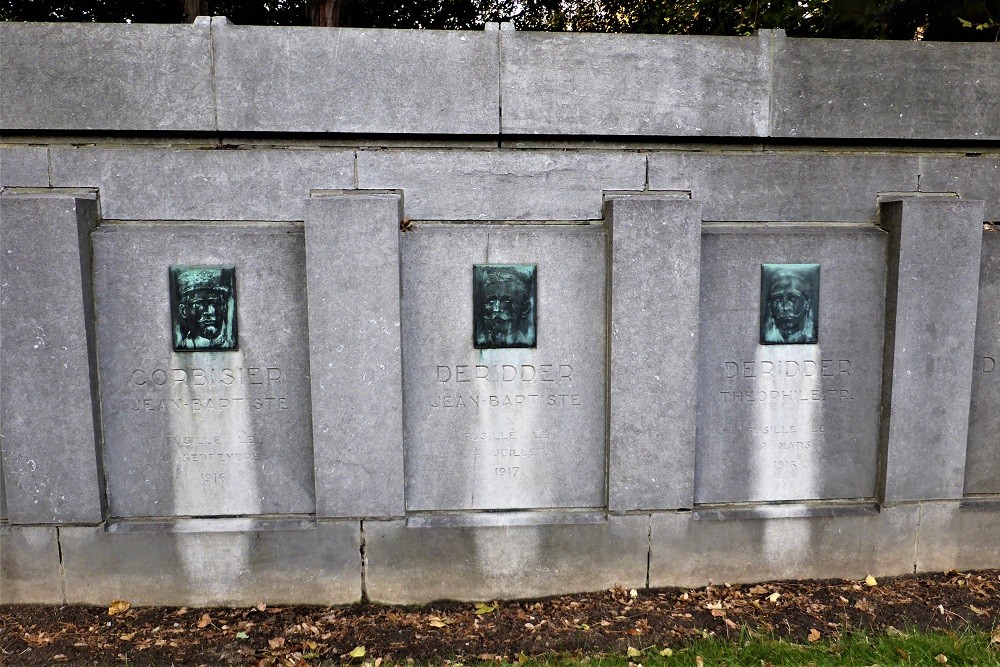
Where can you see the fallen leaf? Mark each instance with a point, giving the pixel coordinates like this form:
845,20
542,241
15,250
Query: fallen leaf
713,605
378,662
870,581
941,658
633,652
977,611
358,652
242,635
995,637
773,597
814,635
902,654
276,642
261,607
437,624
757,590
698,661
667,652
204,621
521,658
483,608
731,624
718,613
118,607
126,637
633,593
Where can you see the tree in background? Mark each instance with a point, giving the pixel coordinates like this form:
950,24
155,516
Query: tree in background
952,20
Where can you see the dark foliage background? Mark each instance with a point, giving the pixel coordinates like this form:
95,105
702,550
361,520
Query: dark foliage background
953,20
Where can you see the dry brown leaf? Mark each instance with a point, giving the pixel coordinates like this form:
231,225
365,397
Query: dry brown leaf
977,611
773,597
871,581
126,637
941,658
118,607
276,642
699,661
814,635
718,613
731,624
204,621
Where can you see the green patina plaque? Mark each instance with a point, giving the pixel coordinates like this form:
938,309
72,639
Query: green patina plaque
203,307
789,303
503,305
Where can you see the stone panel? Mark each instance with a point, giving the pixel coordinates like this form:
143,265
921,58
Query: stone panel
24,167
689,552
410,565
982,463
934,254
791,421
196,432
352,257
784,186
502,185
596,84
29,566
168,184
48,408
892,89
970,177
509,427
80,76
371,81
953,537
655,264
199,563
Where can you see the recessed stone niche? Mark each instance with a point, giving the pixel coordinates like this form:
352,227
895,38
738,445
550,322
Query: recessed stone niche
795,418
504,428
204,432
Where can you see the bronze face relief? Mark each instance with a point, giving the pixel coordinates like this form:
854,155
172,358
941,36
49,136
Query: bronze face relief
203,308
789,304
503,305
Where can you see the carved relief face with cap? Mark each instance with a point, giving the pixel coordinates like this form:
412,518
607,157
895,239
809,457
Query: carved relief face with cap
504,305
790,295
203,305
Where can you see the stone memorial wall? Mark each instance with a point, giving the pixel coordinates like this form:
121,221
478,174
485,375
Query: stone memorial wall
323,315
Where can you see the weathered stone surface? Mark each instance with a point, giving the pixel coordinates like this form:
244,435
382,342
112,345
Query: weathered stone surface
24,167
784,186
634,84
972,178
873,89
502,185
29,566
934,257
48,404
166,184
376,81
982,464
504,428
80,76
410,565
352,257
953,537
689,552
789,421
655,264
204,432
201,562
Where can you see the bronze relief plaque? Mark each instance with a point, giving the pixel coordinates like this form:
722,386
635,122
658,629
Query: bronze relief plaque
503,305
789,304
203,308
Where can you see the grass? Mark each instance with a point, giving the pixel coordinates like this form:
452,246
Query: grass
856,649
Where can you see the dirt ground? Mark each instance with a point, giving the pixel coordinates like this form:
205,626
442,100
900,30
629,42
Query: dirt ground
606,621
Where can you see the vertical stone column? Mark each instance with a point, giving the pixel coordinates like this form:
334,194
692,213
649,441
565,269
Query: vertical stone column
655,276
932,294
352,273
49,413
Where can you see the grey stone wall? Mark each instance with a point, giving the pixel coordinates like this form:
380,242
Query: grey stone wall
358,444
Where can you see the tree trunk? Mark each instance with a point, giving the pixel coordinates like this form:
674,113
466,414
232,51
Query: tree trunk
329,13
195,8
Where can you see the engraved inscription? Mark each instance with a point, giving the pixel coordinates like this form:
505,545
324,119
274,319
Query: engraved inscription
533,384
